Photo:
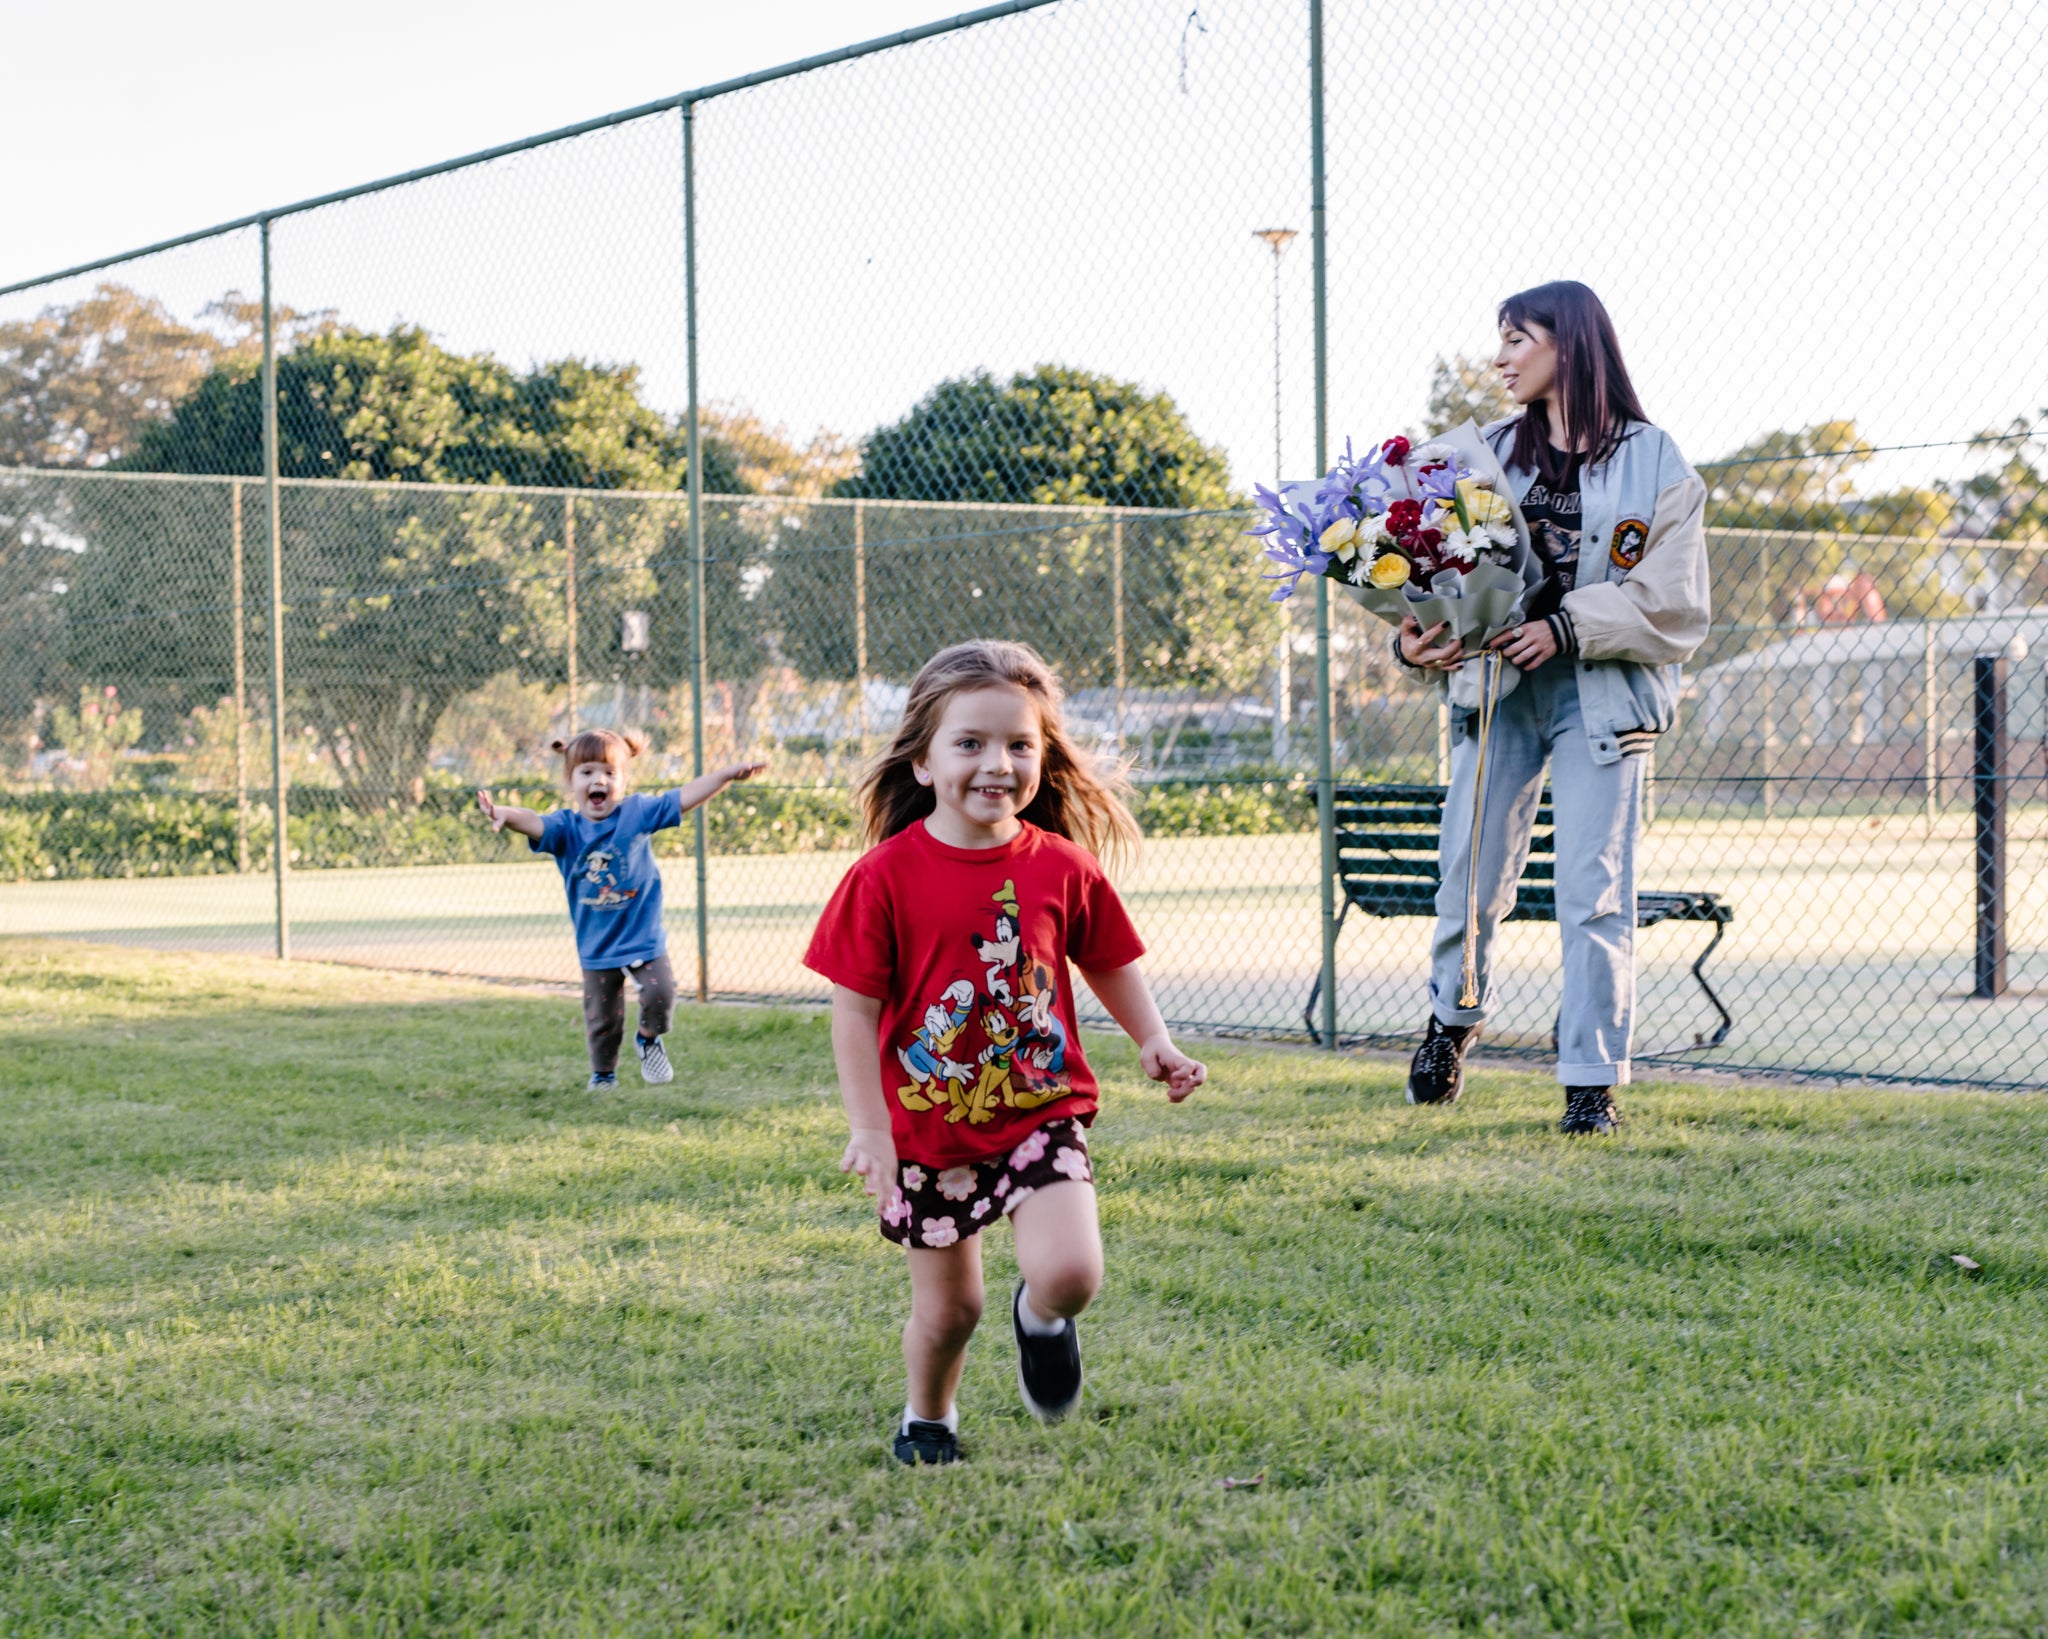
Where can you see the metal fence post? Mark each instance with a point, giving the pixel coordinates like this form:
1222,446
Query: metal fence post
860,620
696,541
1930,732
1988,774
1769,624
241,684
280,846
1116,590
569,548
1326,790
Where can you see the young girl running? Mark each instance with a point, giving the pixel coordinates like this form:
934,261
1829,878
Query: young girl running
947,946
603,844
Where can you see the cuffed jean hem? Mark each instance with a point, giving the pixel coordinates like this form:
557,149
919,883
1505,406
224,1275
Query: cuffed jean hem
1461,1016
1595,1075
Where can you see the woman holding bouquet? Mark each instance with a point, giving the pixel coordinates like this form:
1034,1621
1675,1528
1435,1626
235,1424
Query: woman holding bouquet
1616,516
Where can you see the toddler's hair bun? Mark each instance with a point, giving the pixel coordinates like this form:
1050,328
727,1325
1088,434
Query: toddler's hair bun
600,745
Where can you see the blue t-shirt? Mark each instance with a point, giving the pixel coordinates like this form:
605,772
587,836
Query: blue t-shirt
614,885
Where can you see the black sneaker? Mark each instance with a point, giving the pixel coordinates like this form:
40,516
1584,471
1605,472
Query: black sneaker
1436,1075
1589,1110
1048,1368
919,1442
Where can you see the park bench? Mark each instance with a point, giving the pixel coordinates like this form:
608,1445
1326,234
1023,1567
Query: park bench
1387,843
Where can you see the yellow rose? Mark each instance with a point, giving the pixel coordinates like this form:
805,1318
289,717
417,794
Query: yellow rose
1482,505
1389,570
1342,539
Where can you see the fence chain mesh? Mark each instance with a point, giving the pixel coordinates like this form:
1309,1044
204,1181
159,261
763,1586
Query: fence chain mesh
996,331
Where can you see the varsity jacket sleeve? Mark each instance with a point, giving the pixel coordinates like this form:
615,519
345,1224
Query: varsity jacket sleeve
1658,611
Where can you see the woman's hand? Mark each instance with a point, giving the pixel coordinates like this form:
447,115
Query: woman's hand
871,1153
1431,649
1527,646
1163,1061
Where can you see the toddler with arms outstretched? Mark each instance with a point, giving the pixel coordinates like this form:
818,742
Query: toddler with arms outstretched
603,844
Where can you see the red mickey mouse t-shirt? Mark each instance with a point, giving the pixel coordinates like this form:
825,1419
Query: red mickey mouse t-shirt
967,951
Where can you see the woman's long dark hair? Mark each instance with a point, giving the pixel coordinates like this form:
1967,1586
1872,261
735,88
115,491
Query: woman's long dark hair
1599,399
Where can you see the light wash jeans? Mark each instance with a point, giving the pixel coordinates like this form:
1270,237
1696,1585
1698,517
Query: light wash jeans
1598,810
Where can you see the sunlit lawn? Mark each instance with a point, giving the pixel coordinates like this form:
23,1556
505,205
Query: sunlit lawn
334,1305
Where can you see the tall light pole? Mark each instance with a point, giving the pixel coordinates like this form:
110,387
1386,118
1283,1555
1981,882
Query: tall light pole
1278,239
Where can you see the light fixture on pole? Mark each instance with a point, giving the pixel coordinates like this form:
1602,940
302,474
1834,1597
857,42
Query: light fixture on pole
1278,239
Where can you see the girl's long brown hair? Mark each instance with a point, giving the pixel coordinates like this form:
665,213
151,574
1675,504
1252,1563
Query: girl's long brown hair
1076,798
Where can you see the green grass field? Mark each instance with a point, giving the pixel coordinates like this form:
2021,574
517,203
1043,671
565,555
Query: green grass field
334,1306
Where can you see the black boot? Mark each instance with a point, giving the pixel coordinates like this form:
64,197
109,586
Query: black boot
1589,1110
1436,1075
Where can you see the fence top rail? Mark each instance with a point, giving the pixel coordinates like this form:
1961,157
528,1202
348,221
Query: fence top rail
504,150
1848,537
1073,513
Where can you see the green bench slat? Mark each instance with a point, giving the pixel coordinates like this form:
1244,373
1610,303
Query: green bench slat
1387,859
1537,870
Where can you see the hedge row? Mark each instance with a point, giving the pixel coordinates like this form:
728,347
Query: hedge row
77,836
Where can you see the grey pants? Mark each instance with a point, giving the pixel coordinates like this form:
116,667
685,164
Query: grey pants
604,1007
1598,808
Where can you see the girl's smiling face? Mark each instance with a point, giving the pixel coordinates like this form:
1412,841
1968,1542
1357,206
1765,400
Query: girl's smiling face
596,788
1527,362
983,766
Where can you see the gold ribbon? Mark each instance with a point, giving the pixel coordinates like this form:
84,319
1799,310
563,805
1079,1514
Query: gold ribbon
1489,697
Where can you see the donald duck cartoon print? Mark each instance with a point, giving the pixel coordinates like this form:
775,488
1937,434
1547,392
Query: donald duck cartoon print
935,1079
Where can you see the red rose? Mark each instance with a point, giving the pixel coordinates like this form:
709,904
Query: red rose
1432,538
1394,451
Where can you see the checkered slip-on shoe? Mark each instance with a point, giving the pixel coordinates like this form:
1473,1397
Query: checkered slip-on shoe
601,1083
654,1065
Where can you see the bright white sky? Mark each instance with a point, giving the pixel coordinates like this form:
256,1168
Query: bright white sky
1829,209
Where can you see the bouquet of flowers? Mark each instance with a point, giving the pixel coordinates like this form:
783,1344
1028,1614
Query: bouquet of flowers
1428,530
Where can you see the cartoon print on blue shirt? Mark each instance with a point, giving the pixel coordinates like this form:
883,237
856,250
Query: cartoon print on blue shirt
599,874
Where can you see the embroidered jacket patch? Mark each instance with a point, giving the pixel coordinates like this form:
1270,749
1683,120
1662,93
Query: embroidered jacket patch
1631,535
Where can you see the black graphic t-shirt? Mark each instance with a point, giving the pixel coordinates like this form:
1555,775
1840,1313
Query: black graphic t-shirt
1553,518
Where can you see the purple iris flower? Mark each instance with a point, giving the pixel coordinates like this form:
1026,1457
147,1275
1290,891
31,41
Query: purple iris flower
1439,485
1292,544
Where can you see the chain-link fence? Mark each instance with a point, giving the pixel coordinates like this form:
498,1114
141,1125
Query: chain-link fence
989,332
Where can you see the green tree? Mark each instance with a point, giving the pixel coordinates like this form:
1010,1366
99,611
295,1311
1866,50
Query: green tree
1462,388
1792,479
81,385
399,600
1053,436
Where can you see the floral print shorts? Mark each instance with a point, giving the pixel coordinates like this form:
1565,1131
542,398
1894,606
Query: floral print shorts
938,1208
